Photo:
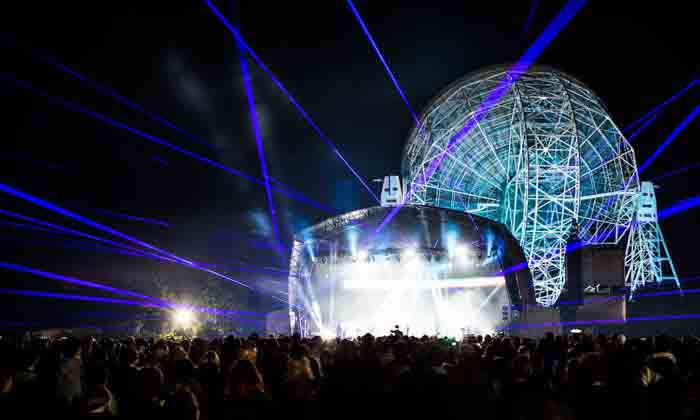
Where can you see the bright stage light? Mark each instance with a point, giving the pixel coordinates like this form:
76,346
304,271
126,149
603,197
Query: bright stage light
409,253
362,255
401,284
327,334
461,253
183,317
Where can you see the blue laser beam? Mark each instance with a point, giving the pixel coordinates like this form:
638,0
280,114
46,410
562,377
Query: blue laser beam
27,226
99,286
640,129
79,282
680,207
124,216
530,16
117,247
567,13
12,191
669,139
261,151
676,131
246,267
87,298
62,229
663,104
106,90
72,243
75,216
79,297
77,244
382,60
304,114
118,215
76,107
291,190
43,203
675,172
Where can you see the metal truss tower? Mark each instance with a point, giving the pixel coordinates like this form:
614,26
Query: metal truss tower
647,260
549,183
545,161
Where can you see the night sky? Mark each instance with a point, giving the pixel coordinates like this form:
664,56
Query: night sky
177,60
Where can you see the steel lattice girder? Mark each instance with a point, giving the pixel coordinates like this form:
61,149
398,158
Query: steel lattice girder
647,259
547,159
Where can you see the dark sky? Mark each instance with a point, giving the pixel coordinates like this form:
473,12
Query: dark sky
177,60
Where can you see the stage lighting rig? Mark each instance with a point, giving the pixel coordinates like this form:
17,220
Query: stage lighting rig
183,317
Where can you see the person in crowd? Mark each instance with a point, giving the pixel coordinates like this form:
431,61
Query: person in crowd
183,402
211,383
300,376
150,399
97,400
69,375
245,393
578,376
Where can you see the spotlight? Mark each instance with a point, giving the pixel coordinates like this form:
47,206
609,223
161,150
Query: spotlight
461,250
462,253
183,317
362,255
408,253
327,334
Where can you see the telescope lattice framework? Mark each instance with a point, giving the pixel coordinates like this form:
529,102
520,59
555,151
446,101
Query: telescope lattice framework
647,260
546,161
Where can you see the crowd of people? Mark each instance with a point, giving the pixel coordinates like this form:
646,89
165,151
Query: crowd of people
579,376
